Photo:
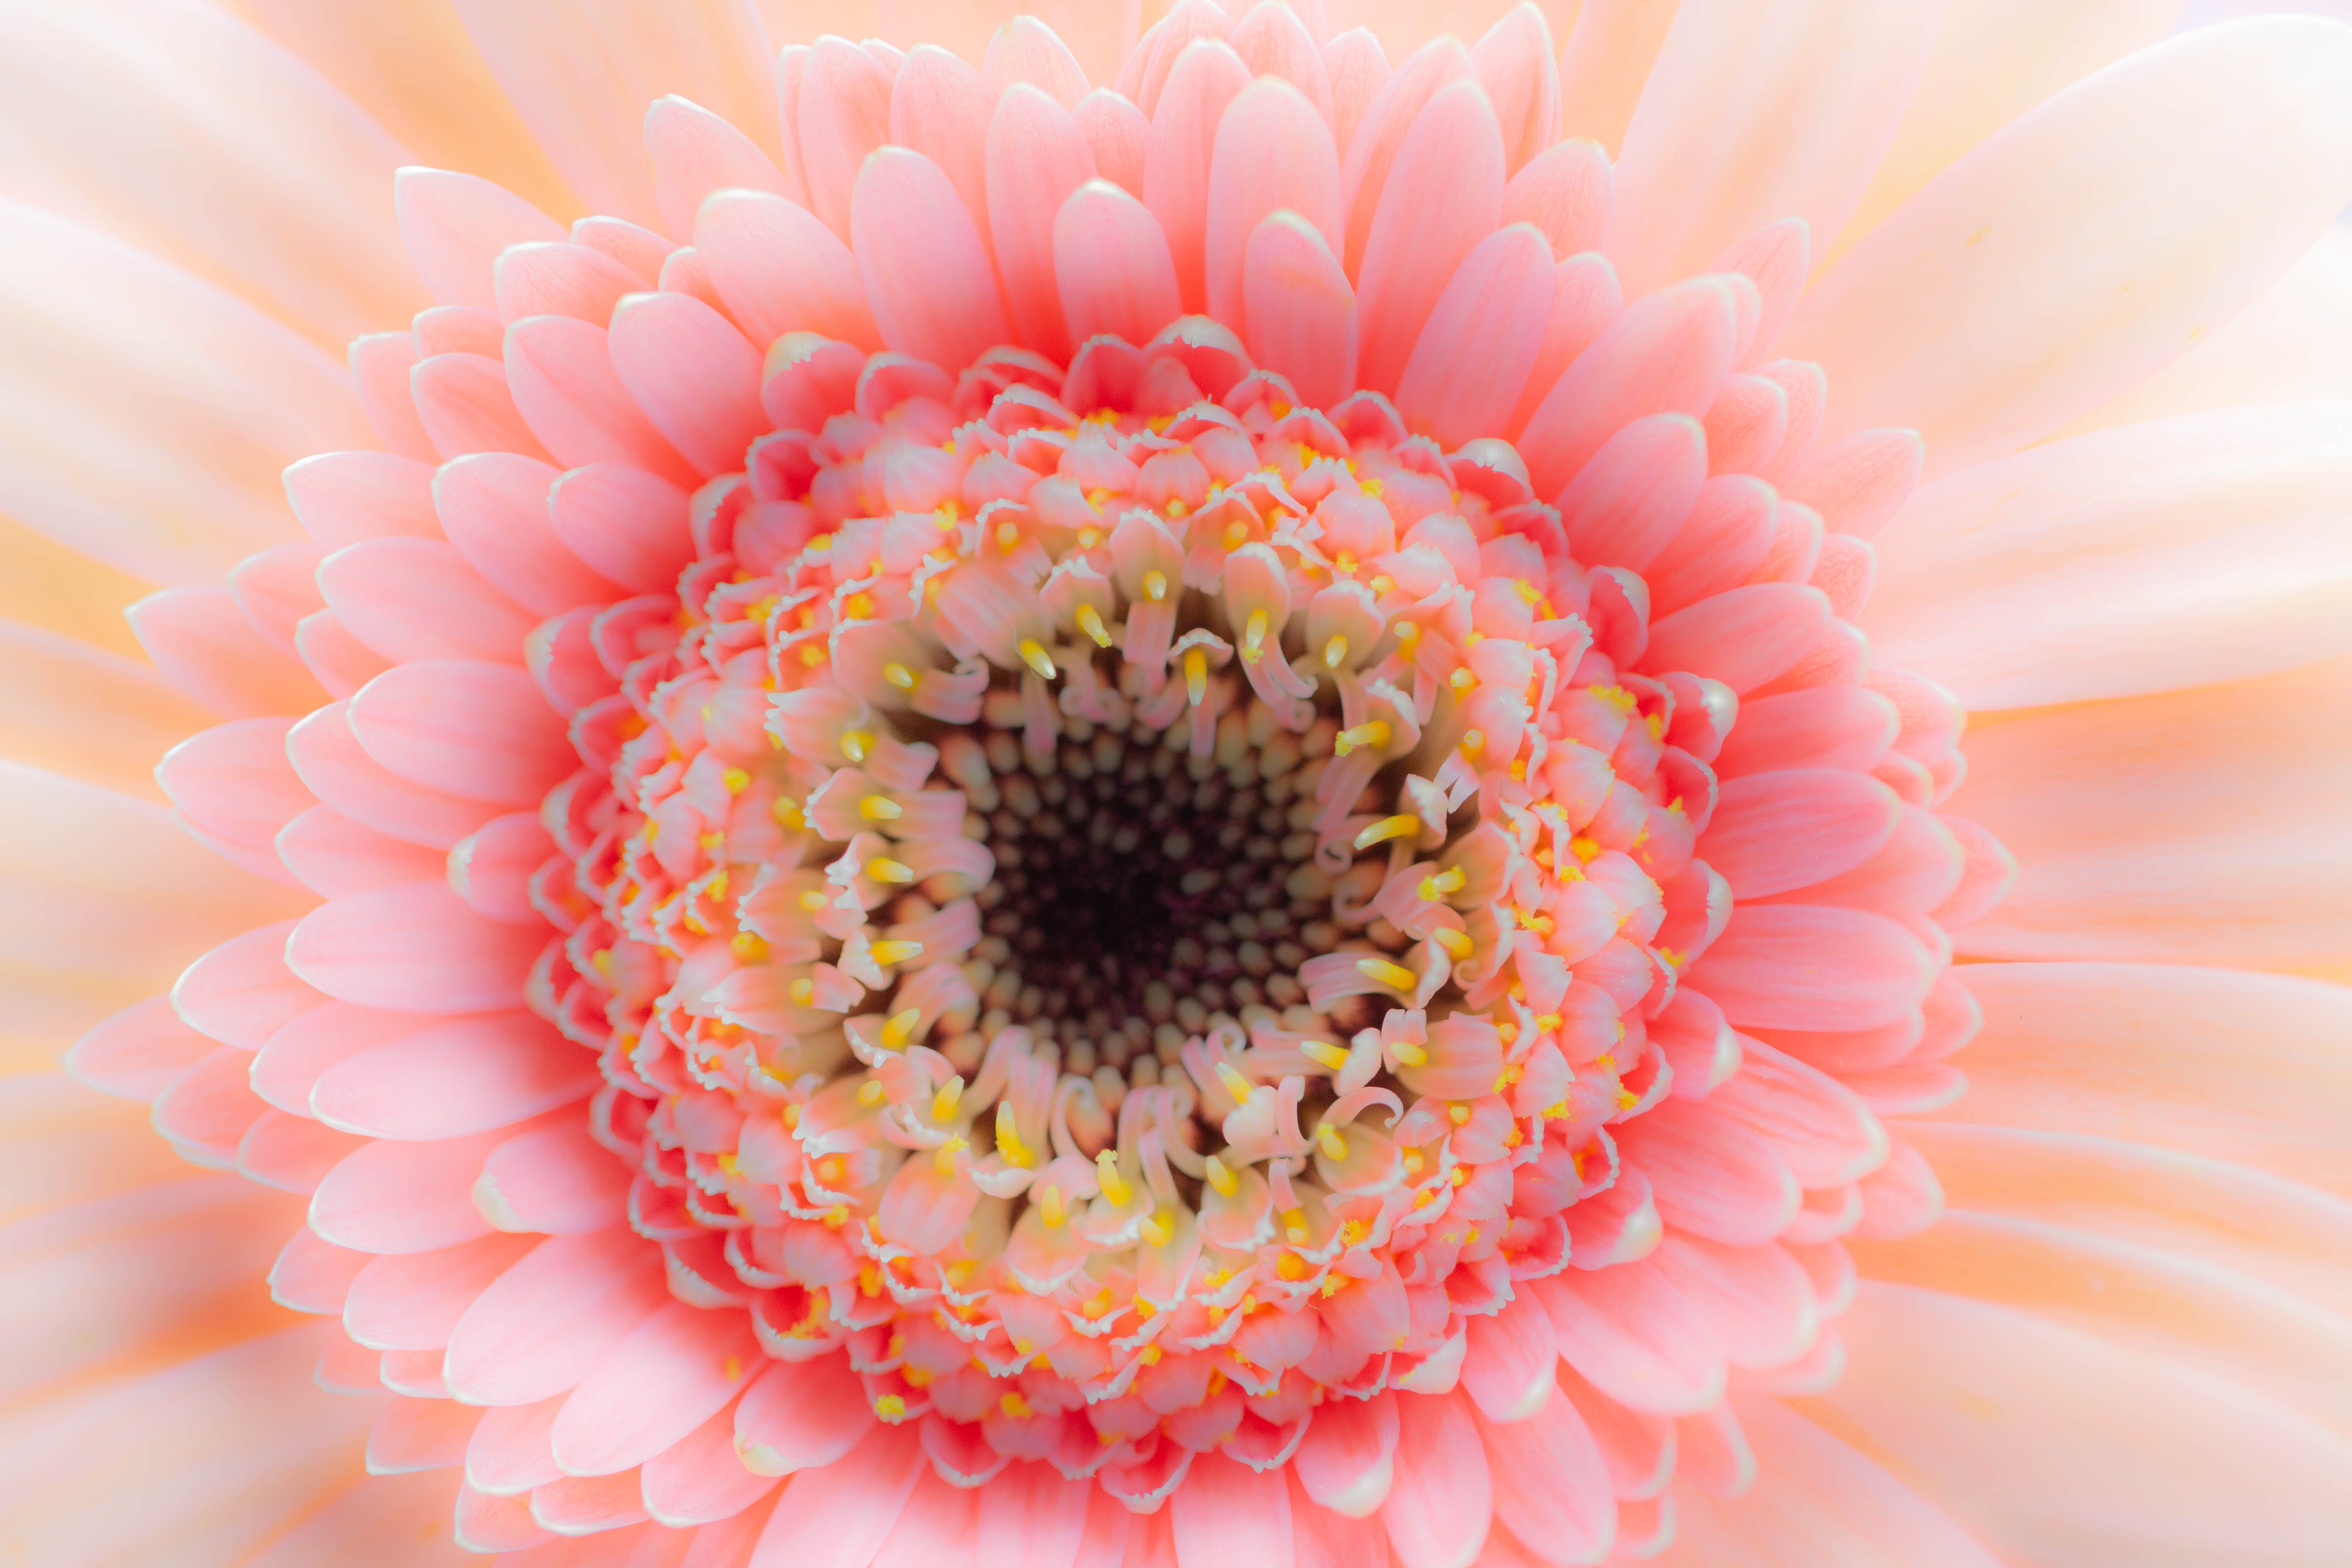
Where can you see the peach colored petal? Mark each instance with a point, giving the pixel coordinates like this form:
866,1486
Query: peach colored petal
580,75
1604,59
1111,266
2016,348
2175,553
197,180
87,713
1992,60
1443,195
2225,845
1301,312
1036,158
1754,113
927,274
1272,151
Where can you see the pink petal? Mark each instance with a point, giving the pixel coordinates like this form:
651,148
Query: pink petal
844,114
481,731
491,868
343,498
1775,831
694,375
1746,119
1111,266
135,1053
1506,1368
1564,193
1443,195
415,949
1225,1513
381,363
204,645
1709,1173
293,1058
314,1275
1483,337
1744,637
331,854
1025,50
779,269
2019,349
1516,65
474,1076
205,1112
1271,151
1300,309
1636,493
1790,966
1031,1517
414,1434
674,1371
695,153
926,272
1176,168
934,1528
411,1301
698,1479
623,524
466,405
241,993
550,1321
1584,300
402,1197
940,107
1551,1484
419,598
1439,1510
1036,157
1345,1461
328,758
1845,727
1117,133
455,226
1374,141
1668,354
562,279
1271,41
802,1415
292,1153
840,1516
557,1181
561,375
1635,1338
494,508
234,781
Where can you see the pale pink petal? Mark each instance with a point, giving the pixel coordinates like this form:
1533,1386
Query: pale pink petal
464,406
1585,300
556,1181
1743,637
234,781
1358,69
566,389
1437,1513
1030,1517
1516,61
414,1434
1753,114
469,1077
1116,134
455,224
1482,339
1862,969
582,102
1635,1338
1668,354
1036,157
550,1320
343,498
935,1527
2016,349
1388,113
329,759
1710,1174
493,507
695,153
693,375
800,1415
1551,1484
136,1053
331,854
1565,192
402,1197
1636,493
926,272
844,114
417,598
1443,194
562,279
202,645
382,365
1300,309
1346,1460
1271,151
479,731
412,1300
1273,41
1506,1368
674,1370
1225,1513
840,1516
698,1479
941,108
415,949
2226,848
780,271
1178,156
1027,50
1111,266
1603,63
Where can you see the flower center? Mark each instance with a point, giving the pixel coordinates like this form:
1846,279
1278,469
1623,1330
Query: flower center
1117,871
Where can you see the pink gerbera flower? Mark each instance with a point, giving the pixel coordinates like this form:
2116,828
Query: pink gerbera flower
1178,795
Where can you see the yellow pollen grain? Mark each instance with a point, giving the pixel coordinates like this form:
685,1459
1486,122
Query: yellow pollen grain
736,780
890,1407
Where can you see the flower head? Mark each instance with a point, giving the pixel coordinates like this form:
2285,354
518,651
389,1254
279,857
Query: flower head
1149,822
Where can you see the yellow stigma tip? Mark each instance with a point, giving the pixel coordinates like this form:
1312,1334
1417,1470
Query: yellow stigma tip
1388,828
882,868
944,1103
1380,971
1375,733
1155,587
1221,1176
1234,1083
888,952
900,1029
803,991
1034,654
1334,652
880,808
1052,1209
1114,1185
1412,1056
736,780
1196,675
857,744
749,947
899,675
1457,945
869,1093
1254,636
1091,623
1324,1054
1328,1138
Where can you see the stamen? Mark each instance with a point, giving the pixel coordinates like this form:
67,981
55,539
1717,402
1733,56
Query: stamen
882,868
1253,637
1456,944
1412,1056
749,947
1221,1176
1155,587
1334,651
1388,828
1196,675
1328,1138
880,808
1114,1185
1433,889
887,953
869,1093
943,1158
1324,1053
1092,625
1374,733
944,1103
900,1028
1034,654
1234,1083
1008,1139
857,744
1052,1209
899,675
1381,971
1157,1231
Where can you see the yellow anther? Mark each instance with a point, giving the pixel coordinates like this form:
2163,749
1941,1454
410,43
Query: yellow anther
1254,636
712,840
869,1093
601,961
1008,1138
1294,1227
947,511
891,1407
1412,1056
1234,1083
1473,742
1149,1355
1155,587
943,1158
1196,675
1627,1099
1089,537
1373,733
1007,535
736,780
1015,1407
1372,488
802,991
1584,849
1388,828
944,1103
1092,625
887,953
857,744
1157,1231
1414,1162
1323,1053
882,868
1176,507
749,946
1114,1185
1548,1022
1383,584
1052,1209
811,900
1334,652
1345,562
1408,635
900,1028
1458,1114
811,655
1328,1138
1033,654
1221,1176
880,808
787,814
1380,971
1462,680
1456,944
899,675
